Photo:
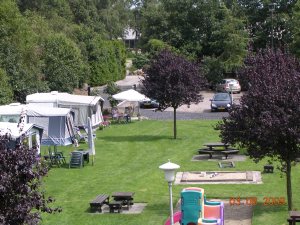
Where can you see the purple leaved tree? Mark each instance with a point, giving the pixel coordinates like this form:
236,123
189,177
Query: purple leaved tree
267,121
21,172
173,81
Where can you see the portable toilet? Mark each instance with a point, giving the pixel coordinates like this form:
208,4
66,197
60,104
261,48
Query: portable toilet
191,202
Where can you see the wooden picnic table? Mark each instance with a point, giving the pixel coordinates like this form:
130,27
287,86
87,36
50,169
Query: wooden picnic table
294,217
217,147
125,197
213,145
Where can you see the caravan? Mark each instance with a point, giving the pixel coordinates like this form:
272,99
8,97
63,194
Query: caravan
83,106
57,123
29,134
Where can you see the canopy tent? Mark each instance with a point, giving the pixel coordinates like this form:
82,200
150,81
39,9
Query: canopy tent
83,106
129,95
127,104
29,134
57,123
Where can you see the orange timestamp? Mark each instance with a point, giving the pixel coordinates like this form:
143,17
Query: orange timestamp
267,201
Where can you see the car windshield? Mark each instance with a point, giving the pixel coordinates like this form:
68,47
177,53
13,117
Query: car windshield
222,97
232,81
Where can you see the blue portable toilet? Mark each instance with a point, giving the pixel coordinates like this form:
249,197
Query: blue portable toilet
190,207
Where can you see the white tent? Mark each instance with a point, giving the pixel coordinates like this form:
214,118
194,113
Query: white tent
28,133
124,104
57,123
129,95
83,106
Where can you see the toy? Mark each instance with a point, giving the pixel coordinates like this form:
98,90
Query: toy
196,210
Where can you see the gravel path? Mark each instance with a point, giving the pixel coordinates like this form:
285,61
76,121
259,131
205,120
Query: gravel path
194,111
168,115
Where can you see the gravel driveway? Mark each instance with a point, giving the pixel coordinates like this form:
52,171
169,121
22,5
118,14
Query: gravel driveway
194,111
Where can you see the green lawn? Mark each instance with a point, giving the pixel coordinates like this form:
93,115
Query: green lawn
127,159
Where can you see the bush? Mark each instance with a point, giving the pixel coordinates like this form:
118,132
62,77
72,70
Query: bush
20,188
140,60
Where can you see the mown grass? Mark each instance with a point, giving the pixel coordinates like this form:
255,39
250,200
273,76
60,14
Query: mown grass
127,159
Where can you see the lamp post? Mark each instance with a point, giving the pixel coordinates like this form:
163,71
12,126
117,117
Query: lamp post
169,169
272,9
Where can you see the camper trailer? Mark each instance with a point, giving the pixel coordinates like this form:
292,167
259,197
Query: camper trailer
29,134
57,123
83,106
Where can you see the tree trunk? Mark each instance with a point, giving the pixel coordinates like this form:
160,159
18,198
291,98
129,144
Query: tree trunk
174,127
289,185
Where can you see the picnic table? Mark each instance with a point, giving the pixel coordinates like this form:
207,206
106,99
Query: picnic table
126,198
217,148
213,145
294,217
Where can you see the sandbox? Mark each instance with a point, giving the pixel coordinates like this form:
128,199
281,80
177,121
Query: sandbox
218,177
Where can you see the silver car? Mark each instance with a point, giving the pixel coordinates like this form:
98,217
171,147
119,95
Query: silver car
229,85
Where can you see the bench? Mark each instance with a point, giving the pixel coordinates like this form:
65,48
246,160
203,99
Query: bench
206,151
97,203
229,152
115,205
268,168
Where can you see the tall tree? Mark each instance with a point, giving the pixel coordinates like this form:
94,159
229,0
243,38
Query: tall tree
267,120
21,196
295,45
198,29
19,53
173,81
267,21
6,93
64,66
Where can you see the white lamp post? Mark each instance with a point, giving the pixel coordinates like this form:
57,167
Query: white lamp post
169,169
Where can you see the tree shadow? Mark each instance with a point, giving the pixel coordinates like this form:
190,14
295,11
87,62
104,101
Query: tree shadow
135,138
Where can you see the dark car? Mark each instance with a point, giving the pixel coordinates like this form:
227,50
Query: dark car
149,103
221,102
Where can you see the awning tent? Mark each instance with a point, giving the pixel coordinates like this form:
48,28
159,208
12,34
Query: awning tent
28,133
57,123
83,106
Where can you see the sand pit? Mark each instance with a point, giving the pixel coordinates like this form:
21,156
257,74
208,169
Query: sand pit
218,177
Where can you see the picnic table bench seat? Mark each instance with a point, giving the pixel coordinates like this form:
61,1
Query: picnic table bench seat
206,151
97,203
115,205
229,151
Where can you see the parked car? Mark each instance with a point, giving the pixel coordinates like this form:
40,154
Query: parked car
149,103
221,101
229,85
